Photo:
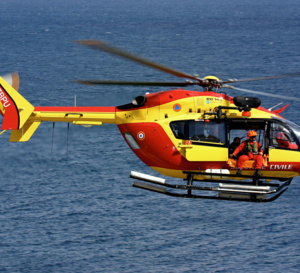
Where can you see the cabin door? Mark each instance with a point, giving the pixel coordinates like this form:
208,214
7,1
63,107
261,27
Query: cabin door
207,139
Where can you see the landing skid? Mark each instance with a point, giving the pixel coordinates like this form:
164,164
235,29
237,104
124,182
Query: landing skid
256,190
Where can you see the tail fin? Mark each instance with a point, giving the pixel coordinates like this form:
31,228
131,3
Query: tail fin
15,110
13,80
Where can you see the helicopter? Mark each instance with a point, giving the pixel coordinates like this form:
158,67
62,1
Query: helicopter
180,133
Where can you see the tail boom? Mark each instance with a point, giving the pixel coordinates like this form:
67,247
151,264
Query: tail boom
85,116
23,119
76,115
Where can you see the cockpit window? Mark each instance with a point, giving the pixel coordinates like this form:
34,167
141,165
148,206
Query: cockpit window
281,135
294,127
178,129
200,130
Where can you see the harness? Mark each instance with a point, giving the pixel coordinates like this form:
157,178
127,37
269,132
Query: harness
253,148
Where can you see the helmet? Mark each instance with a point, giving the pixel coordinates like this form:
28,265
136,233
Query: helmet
281,136
251,134
282,139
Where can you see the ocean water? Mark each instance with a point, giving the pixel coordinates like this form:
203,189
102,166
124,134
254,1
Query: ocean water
70,206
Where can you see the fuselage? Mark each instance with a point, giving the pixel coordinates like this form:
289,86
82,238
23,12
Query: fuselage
164,133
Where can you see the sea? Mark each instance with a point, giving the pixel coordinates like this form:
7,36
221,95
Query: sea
66,200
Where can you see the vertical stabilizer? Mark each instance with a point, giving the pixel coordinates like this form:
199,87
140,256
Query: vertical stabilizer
16,109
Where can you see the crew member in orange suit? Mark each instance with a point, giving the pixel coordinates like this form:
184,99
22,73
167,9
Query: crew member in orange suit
251,150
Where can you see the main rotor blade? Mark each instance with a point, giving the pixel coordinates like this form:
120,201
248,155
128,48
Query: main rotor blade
121,53
96,82
261,93
288,75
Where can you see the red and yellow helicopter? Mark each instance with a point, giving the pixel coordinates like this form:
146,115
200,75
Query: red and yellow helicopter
180,133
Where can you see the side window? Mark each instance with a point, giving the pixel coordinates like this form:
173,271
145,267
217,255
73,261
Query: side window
200,130
178,129
208,131
281,137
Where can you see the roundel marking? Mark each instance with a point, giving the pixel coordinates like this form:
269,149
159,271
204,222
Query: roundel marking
141,135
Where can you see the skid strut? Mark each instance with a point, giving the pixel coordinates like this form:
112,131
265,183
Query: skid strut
190,178
253,191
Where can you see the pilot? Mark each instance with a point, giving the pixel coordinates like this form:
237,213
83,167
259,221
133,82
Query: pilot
283,141
250,149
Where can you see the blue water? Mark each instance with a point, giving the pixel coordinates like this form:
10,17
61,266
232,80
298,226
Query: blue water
74,210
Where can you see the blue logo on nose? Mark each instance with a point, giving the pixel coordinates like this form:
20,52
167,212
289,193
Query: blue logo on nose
177,107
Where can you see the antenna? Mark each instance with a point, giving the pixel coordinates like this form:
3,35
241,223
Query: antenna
52,137
270,109
68,136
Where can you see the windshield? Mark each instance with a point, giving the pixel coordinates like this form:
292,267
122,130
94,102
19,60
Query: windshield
284,135
295,128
